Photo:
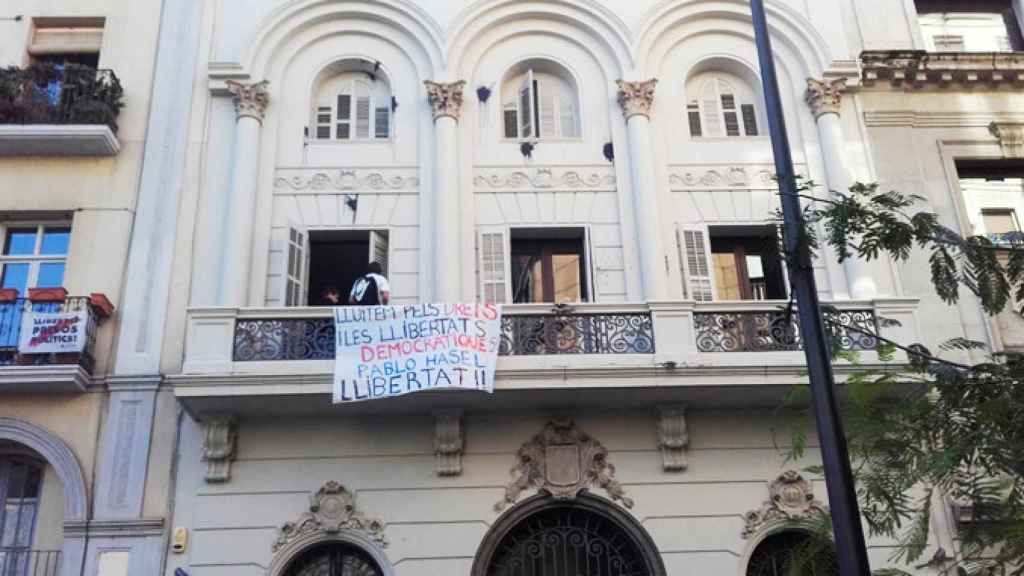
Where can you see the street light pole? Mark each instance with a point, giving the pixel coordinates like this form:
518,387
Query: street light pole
842,496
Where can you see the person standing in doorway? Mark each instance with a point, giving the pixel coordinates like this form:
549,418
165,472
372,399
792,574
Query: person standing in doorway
371,289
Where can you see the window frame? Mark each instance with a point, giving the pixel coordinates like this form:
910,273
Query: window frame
588,291
718,77
318,105
536,93
35,260
716,233
1012,21
6,462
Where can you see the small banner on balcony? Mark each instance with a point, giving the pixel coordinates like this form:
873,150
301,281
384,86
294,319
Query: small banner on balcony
49,333
386,351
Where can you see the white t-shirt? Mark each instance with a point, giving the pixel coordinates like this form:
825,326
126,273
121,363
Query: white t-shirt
360,286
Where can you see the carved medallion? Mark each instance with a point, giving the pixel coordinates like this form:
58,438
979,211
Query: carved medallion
563,461
791,499
331,510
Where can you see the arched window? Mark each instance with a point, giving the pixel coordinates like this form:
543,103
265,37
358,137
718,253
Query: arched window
21,482
353,102
542,537
721,105
334,559
540,102
793,552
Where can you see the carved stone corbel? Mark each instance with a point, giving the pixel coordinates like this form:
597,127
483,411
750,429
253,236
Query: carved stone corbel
791,499
219,437
445,98
673,437
448,443
563,461
1011,138
250,99
636,98
331,509
825,96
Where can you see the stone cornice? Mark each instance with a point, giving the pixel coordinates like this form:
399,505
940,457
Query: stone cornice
917,69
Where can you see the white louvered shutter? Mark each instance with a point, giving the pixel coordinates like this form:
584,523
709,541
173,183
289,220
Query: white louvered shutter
548,97
379,249
362,110
493,266
526,107
296,267
696,269
711,114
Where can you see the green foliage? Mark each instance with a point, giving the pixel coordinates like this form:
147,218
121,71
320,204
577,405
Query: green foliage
44,93
933,430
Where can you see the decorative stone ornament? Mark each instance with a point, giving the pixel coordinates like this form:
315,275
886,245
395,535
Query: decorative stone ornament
448,442
331,510
791,499
636,98
673,437
1011,137
445,98
563,461
825,96
250,99
219,437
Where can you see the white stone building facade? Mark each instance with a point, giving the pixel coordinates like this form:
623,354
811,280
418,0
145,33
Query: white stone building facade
602,170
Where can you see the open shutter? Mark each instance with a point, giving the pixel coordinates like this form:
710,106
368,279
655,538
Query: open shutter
567,101
712,115
526,107
382,122
296,267
379,249
493,266
511,121
548,98
696,270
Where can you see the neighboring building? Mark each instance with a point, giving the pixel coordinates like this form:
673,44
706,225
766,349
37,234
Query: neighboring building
601,169
77,490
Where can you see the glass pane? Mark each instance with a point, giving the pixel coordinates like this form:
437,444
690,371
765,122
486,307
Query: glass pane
25,524
51,275
567,277
999,221
33,481
527,273
20,242
727,277
16,480
15,276
55,241
10,527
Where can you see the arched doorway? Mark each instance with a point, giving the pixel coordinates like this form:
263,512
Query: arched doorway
793,552
333,559
547,537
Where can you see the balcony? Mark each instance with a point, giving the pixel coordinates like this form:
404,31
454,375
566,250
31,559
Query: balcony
49,362
48,110
21,562
712,349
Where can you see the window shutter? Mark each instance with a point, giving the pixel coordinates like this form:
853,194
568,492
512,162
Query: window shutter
526,107
511,121
379,249
697,271
296,267
493,267
382,122
570,125
344,117
548,111
732,124
749,119
323,123
693,115
363,117
711,116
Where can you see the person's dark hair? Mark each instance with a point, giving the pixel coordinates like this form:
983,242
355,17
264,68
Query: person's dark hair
375,268
329,290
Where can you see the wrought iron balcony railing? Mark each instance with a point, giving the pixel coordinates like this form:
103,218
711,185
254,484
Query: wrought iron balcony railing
560,331
778,330
13,314
67,94
22,562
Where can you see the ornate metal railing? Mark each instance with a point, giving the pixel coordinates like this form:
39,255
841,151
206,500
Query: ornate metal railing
269,339
778,330
67,94
12,318
21,562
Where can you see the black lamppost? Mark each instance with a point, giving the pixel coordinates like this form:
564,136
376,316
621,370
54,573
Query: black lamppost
849,534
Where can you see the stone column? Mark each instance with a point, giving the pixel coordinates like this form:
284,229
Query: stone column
636,99
250,104
824,98
446,100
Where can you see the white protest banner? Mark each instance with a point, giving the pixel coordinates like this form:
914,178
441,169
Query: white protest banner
48,332
385,351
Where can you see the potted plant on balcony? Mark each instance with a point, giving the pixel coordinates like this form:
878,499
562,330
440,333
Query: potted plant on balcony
61,94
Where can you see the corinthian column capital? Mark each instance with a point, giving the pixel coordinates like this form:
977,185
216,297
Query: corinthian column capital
445,98
636,98
250,99
824,96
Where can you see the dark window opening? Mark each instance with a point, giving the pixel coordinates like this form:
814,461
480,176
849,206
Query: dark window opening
337,258
747,264
793,552
548,265
21,482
